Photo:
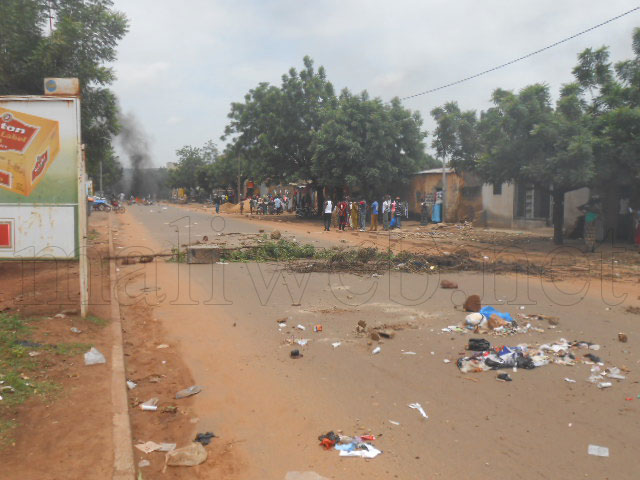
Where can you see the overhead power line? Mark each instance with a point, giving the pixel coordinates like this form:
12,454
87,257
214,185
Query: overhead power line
523,57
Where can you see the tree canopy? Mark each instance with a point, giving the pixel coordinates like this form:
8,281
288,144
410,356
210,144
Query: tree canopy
300,131
67,38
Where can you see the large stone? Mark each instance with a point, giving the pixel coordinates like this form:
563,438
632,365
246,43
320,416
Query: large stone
472,304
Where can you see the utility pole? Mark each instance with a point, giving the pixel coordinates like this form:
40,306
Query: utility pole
101,191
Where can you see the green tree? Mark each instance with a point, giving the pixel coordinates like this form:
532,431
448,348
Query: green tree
274,128
526,140
66,38
368,145
611,94
456,138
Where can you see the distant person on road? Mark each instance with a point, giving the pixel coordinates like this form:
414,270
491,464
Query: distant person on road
362,214
328,207
217,200
399,212
386,212
354,215
374,216
342,214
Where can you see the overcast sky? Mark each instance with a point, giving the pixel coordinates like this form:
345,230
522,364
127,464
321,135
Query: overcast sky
183,63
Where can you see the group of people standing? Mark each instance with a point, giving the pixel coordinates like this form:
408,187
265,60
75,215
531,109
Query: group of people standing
353,214
267,204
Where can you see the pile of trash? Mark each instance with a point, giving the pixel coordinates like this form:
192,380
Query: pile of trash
358,446
562,352
488,319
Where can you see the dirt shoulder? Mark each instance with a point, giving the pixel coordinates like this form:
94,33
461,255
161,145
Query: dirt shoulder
58,423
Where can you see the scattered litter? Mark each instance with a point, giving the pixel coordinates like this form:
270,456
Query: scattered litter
94,357
304,476
34,354
604,384
295,354
478,344
409,353
622,337
593,358
363,450
376,350
150,405
446,360
187,392
167,447
148,447
302,341
143,463
204,438
317,328
169,409
75,330
163,345
301,327
59,315
349,446
504,377
418,407
131,385
189,456
393,422
336,344
598,451
569,380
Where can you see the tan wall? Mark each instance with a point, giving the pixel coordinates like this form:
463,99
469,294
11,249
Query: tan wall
458,208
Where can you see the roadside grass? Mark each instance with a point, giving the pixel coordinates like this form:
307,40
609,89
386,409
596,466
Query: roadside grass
100,322
92,235
178,256
275,251
18,365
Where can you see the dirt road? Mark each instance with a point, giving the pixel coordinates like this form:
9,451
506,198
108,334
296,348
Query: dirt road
268,409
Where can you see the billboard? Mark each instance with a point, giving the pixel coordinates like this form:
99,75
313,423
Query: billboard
40,170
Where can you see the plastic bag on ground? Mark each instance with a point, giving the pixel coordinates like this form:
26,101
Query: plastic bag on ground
94,357
187,392
488,311
189,456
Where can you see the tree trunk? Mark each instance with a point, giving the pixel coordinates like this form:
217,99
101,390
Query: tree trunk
558,216
320,198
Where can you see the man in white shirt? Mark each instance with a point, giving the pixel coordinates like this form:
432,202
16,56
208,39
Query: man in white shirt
328,208
386,212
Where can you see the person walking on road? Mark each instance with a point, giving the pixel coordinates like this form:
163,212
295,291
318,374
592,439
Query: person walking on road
328,207
374,216
217,201
386,212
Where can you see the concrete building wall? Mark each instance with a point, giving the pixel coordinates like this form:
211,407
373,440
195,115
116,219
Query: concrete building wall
498,210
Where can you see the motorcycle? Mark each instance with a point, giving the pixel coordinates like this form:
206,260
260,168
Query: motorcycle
100,204
117,207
